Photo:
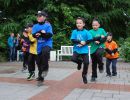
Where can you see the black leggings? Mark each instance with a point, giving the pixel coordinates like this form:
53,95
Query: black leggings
97,59
85,60
25,59
31,62
42,60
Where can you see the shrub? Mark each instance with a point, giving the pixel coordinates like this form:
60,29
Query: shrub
125,50
60,39
3,57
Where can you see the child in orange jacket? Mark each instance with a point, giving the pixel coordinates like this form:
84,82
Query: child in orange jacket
111,55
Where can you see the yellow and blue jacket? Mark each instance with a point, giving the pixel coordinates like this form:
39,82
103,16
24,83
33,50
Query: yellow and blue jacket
33,44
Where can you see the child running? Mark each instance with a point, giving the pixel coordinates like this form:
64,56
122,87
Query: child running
97,48
42,31
111,55
25,49
80,38
32,52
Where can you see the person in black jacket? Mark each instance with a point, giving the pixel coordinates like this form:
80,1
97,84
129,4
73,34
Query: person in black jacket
25,49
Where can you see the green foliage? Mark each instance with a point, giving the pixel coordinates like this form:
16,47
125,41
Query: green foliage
60,39
120,41
3,57
9,27
9,2
113,16
5,30
28,19
125,50
128,29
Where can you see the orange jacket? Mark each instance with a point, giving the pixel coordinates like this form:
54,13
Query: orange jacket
111,46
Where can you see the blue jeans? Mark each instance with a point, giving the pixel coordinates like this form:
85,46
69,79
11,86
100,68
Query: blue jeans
11,53
108,62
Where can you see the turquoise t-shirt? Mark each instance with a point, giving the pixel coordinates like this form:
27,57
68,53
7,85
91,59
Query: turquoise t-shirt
81,35
97,33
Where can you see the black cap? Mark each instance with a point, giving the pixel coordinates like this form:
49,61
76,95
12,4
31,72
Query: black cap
29,25
42,13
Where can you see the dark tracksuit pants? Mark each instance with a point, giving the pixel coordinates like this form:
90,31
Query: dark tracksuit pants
42,61
25,59
31,62
108,62
97,60
85,60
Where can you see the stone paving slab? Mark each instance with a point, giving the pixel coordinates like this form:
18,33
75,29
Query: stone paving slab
9,91
91,94
122,78
53,74
64,82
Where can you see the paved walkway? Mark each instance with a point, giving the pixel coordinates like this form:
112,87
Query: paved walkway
63,82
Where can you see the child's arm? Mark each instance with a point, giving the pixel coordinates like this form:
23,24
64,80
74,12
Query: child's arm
74,41
108,51
116,48
31,38
103,39
89,39
48,33
97,38
103,36
35,32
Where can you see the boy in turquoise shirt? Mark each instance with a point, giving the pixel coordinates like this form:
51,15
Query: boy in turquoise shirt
97,48
80,38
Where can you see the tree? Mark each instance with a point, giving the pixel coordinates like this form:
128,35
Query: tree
113,15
